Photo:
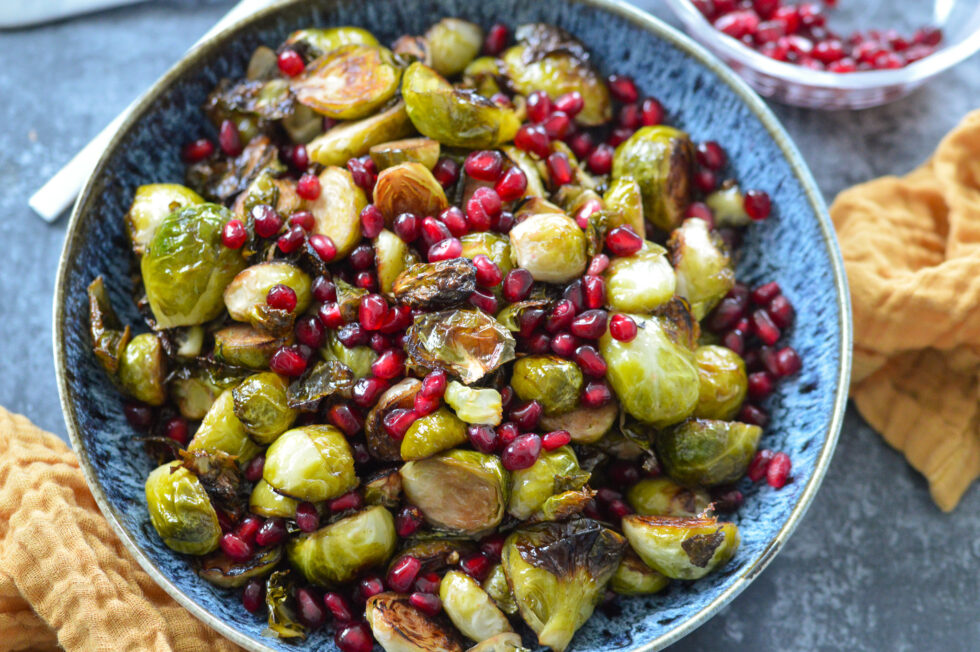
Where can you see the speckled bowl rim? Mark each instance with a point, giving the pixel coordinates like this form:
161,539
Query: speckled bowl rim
639,18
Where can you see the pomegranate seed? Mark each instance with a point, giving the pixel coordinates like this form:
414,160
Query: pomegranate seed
287,361
493,546
623,474
811,15
311,613
427,603
506,396
299,158
764,328
446,172
757,204
304,219
408,521
330,316
372,221
324,248
570,104
788,361
537,344
596,394
574,293
594,291
403,573
366,391
760,385
754,415
769,32
483,438
281,297
434,231
590,324
354,638
368,587
623,241
559,169
390,364
590,361
233,234
606,495
406,227
372,311
623,88
618,509
455,221
253,595
352,334
765,293
600,160
507,432
738,24
487,272
556,439
734,340
307,518
700,210
582,144
229,138
434,384
176,429
397,422
561,316
253,470
484,301
290,63
478,565
361,175
362,257
598,265
711,155
622,327
517,285
759,465
484,165
425,405
651,112
529,320
292,239
399,318
618,136
309,331
538,106
630,117
496,39
267,221
482,207
781,311
533,138
558,125
512,185
350,500
308,186
705,180
338,606
526,416
767,355
447,249
928,36
588,209
344,417
844,65
233,546
778,471
564,345
272,533
197,150
728,311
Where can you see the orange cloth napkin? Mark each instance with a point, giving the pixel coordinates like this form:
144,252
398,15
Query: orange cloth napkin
911,247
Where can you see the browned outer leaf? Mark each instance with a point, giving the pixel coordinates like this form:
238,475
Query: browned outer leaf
431,286
465,343
108,342
380,444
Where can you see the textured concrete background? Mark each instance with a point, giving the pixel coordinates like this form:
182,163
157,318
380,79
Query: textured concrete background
874,566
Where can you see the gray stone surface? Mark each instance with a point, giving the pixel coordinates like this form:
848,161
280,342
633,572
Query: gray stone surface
874,566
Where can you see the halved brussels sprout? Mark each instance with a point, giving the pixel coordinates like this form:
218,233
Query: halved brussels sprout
723,383
319,41
266,501
705,453
384,489
641,282
424,151
553,473
625,201
681,548
263,64
143,370
633,577
324,379
460,491
653,375
454,117
535,206
727,206
358,359
550,246
194,395
340,551
188,342
474,405
181,511
465,343
553,382
432,434
506,642
408,188
453,43
392,255
281,606
661,160
664,497
412,48
497,588
352,139
337,210
244,346
303,124
311,463
585,425
380,444
559,572
222,431
222,570
262,407
704,269
470,608
186,267
245,295
443,284
494,246
349,82
397,626
109,337
436,555
152,203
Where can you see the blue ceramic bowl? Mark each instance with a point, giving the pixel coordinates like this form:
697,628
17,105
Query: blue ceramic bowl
796,247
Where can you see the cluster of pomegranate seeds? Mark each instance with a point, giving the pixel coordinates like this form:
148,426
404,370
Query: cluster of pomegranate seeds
798,33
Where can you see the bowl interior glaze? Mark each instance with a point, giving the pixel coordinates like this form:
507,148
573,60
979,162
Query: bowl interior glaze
796,247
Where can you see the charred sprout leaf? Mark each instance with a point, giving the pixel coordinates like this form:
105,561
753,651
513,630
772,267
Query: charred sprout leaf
553,473
181,511
431,286
679,323
311,463
704,270
558,572
412,48
265,501
506,642
352,139
245,296
109,338
283,620
186,267
727,205
465,343
220,477
220,180
143,370
633,577
664,497
400,627
453,43
462,492
483,74
408,188
151,205
244,346
595,231
624,199
433,434
161,449
262,407
380,444
350,82
392,255
358,359
474,405
497,588
316,41
541,39
471,610
436,555
550,246
641,282
267,100
705,453
723,383
325,379
585,425
553,382
384,489
222,570
660,159
424,151
340,551
563,506
338,209
454,117
681,548
221,431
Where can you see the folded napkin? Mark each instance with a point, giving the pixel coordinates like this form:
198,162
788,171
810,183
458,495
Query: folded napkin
911,246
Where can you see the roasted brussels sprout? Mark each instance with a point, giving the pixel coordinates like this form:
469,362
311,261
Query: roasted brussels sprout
143,370
152,203
350,82
381,445
408,188
723,383
474,405
633,577
661,160
222,570
109,336
181,511
681,548
266,501
550,246
352,139
704,269
506,642
453,43
392,255
245,296
262,407
244,346
553,473
432,286
358,359
384,489
494,246
454,117
319,41
399,627
705,453
460,491
186,267
412,48
654,376
466,343
483,75
311,463
338,552
424,151
664,497
432,434
553,382
727,206
641,282
625,202
558,572
470,608
497,588
338,209
436,555
194,395
535,206
586,425
222,431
